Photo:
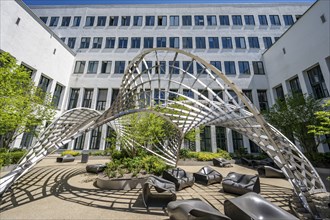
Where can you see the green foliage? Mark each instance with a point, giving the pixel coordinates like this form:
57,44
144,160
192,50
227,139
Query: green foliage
23,105
11,157
320,159
73,153
324,117
292,116
204,156
184,153
154,165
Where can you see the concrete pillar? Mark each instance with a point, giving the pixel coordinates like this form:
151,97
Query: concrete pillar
213,139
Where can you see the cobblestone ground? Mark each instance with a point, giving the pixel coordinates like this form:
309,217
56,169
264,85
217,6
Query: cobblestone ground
65,191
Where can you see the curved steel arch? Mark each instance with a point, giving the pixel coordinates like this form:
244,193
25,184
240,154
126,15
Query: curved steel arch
150,86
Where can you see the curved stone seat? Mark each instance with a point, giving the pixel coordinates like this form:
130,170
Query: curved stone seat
241,183
165,192
65,158
207,176
253,206
193,209
220,162
179,177
95,168
270,172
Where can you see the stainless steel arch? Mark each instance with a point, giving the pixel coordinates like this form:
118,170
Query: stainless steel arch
149,84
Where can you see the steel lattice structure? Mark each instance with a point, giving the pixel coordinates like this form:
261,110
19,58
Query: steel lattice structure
230,109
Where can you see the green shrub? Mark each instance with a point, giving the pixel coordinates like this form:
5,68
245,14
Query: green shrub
184,153
97,153
207,156
154,165
73,153
10,157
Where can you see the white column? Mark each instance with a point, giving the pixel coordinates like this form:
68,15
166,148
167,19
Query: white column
213,139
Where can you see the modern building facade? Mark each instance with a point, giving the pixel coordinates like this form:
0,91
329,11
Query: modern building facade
102,39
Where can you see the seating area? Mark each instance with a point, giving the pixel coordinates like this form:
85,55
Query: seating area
95,168
270,172
179,177
220,162
65,158
207,176
255,163
240,184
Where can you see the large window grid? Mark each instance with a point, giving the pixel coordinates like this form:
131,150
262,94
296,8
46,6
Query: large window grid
249,20
237,140
89,21
258,67
71,42
92,67
295,85
137,21
161,41
263,100
97,42
148,42
101,20
205,137
237,20
119,67
224,20
186,20
122,42
240,43
110,42
96,138
66,21
253,42
174,42
79,142
317,82
263,20
275,20
279,92
73,100
244,67
79,67
230,68
57,95
267,42
199,20
211,20
174,20
84,43
44,83
227,43
101,99
213,42
106,67
221,140
150,20
187,42
200,42
135,42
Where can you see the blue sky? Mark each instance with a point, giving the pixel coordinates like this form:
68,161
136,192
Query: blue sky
77,2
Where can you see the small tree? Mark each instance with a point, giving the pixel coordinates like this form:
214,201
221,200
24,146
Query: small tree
23,105
324,118
292,117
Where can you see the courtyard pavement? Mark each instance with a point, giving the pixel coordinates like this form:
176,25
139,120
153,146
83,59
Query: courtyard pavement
65,191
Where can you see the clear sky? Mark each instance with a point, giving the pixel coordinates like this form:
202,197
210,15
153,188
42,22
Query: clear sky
78,2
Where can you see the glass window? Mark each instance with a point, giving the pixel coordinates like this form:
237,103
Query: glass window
88,97
80,67
199,20
110,42
71,42
79,142
73,100
188,93
44,83
267,42
211,20
237,140
248,93
135,42
253,42
53,21
161,67
162,20
137,21
106,67
159,96
148,42
275,20
174,67
216,64
147,67
161,41
186,20
114,95
200,42
244,67
249,20
92,66
85,42
219,93
174,20
213,42
263,20
122,42
113,21
276,38
230,68
224,20
66,21
258,67
317,82
89,21
76,21
205,139
97,42
63,39
200,69
95,138
295,85
44,19
220,134
279,92
227,43
188,66
263,101
187,42
125,20
254,147
237,20
101,99
240,42
120,67
57,95
288,20
101,20
174,42
150,20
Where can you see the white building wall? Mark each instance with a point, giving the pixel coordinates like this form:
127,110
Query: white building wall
306,45
33,44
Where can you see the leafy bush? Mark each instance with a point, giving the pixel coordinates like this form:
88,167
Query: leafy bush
154,165
184,153
320,159
11,157
207,156
73,153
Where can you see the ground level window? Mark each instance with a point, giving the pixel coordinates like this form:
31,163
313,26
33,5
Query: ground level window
237,140
220,133
205,137
96,138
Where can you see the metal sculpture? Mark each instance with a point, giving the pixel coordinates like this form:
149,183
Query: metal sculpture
150,85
